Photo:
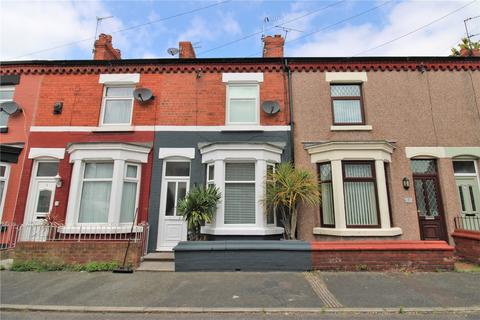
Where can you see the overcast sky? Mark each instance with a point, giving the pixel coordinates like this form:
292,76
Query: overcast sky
32,30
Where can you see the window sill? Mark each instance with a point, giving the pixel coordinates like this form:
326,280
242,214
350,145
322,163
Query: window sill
390,232
351,128
234,128
99,229
242,231
114,129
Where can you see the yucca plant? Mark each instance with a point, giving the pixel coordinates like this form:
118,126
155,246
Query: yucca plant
198,207
287,188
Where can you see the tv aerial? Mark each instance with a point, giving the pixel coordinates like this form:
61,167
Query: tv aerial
271,107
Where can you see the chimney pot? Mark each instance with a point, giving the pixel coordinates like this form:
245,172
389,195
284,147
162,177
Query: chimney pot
104,49
186,50
273,46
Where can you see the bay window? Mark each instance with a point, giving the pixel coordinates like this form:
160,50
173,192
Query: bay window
4,173
105,183
239,171
354,188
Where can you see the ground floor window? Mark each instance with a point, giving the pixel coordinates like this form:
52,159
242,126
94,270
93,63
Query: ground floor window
240,193
4,174
353,184
105,183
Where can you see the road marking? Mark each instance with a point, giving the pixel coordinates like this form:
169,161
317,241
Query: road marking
320,288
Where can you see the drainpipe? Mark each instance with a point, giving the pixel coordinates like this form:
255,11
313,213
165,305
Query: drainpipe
290,104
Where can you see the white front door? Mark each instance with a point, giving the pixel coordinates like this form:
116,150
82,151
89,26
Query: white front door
172,228
468,191
40,201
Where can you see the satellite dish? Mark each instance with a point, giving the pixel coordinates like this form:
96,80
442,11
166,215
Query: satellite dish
142,94
173,51
10,107
270,107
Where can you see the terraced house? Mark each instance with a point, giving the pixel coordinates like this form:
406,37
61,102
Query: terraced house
110,146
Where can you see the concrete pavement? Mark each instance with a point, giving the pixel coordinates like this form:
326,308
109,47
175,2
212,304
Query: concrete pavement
314,291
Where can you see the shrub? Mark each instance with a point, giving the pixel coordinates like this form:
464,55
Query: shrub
39,266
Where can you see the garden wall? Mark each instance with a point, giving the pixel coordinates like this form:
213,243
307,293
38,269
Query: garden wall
78,252
467,245
382,255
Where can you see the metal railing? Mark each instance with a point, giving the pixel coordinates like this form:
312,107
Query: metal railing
467,223
12,233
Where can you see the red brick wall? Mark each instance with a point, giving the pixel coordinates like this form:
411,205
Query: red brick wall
180,99
382,255
77,252
467,245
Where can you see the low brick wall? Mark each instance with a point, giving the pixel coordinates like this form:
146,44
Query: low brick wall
382,255
78,252
467,245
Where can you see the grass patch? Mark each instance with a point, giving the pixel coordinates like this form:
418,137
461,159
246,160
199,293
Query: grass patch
39,266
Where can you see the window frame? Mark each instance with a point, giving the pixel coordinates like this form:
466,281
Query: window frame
254,182
359,98
208,181
257,103
136,180
105,98
361,179
322,224
5,178
82,181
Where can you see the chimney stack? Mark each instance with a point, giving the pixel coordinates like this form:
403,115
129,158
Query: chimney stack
104,49
186,50
273,46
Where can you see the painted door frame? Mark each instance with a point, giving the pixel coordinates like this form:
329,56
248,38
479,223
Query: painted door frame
162,242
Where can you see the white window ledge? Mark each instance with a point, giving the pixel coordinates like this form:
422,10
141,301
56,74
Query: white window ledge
242,231
113,128
99,229
351,128
354,232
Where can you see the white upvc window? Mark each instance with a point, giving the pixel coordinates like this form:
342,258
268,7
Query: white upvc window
4,174
117,105
210,175
239,171
105,183
6,94
240,204
243,103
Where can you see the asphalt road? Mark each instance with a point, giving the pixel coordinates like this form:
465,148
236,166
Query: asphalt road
242,316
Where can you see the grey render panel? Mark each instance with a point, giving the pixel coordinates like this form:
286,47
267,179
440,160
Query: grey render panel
178,139
243,255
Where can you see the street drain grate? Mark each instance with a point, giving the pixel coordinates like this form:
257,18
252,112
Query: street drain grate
320,288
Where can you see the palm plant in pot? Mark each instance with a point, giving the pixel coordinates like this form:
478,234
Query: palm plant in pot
287,188
197,208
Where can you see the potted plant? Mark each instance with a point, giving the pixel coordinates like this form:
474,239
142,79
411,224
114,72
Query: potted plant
198,207
287,188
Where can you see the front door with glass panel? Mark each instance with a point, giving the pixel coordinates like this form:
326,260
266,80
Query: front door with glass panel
40,199
427,194
468,193
172,227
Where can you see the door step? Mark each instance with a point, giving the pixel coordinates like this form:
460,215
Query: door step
159,256
157,266
158,262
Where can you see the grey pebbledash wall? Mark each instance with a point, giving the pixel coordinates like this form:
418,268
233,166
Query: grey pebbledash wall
176,139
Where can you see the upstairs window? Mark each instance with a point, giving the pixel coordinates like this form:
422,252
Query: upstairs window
117,105
242,104
347,104
6,94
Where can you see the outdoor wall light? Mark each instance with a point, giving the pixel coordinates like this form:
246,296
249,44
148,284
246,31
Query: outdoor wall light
58,180
406,183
